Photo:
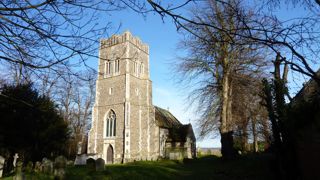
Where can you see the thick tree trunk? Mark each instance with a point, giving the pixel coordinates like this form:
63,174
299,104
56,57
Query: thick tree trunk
229,106
227,149
224,103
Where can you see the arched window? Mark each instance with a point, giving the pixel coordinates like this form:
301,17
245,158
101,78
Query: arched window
135,68
107,68
117,65
111,124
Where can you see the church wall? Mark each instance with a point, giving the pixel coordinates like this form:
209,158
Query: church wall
155,136
117,141
112,53
116,96
129,94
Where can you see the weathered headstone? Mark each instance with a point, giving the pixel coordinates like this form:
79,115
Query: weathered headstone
37,167
47,166
81,159
15,158
79,147
100,164
91,164
1,165
70,162
60,164
29,167
19,175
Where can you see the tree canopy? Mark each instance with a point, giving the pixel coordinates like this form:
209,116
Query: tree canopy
30,123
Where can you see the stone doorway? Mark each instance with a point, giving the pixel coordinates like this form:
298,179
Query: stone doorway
110,155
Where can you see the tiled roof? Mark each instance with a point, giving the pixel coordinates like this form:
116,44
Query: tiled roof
309,88
165,119
177,132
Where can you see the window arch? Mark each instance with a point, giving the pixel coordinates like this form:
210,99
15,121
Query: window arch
135,67
110,124
107,68
117,65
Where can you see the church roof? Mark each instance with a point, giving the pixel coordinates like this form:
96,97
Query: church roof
309,88
165,119
178,132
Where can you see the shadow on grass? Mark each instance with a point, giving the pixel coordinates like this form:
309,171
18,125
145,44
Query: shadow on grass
249,167
31,176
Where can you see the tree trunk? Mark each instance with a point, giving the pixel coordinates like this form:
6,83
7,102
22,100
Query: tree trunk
266,133
244,137
255,136
227,149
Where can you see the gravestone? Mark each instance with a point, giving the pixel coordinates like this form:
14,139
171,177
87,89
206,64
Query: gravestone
79,147
70,162
1,165
91,164
60,164
19,175
47,166
15,158
37,167
81,159
100,164
29,167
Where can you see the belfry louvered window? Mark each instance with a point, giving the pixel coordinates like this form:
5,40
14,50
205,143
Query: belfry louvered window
107,68
117,66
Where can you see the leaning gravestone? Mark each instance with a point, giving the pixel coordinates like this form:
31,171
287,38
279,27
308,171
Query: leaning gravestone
60,164
91,164
1,165
100,164
80,159
19,174
47,166
15,158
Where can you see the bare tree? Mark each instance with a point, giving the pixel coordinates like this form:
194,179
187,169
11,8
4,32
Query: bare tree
52,34
216,64
297,38
75,99
249,114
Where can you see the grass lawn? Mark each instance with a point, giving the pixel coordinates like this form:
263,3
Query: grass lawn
247,167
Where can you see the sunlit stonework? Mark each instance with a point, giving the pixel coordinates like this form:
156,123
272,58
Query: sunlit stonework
125,124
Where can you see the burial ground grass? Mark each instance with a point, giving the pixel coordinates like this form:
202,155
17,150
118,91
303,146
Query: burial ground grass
248,167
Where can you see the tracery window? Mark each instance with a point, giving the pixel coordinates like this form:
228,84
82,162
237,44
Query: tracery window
110,124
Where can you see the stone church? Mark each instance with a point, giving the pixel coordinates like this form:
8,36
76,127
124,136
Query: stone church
126,126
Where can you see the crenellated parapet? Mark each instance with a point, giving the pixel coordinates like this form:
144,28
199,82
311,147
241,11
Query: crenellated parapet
126,36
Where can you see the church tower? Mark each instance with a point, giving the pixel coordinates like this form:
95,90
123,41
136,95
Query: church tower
123,125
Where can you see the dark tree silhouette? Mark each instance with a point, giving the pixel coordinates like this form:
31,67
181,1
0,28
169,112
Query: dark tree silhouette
30,124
